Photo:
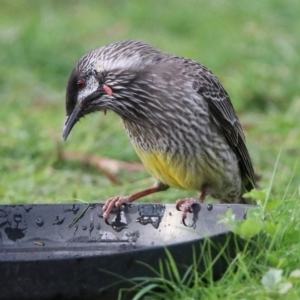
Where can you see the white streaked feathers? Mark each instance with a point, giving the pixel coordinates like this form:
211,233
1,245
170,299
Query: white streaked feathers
91,86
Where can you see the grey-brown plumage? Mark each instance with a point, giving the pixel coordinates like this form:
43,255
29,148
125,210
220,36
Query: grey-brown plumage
177,114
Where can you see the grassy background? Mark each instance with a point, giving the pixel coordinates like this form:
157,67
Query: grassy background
252,46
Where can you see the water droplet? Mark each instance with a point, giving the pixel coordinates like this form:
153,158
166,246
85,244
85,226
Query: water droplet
18,218
151,213
196,208
3,218
119,222
39,221
91,227
210,207
74,209
75,230
15,233
155,221
3,213
100,213
59,219
27,207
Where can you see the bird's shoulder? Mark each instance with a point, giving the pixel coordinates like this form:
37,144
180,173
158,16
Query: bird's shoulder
208,86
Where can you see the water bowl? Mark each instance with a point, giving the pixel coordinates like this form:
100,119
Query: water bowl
67,251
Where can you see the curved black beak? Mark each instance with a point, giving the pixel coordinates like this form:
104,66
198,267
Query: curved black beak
71,121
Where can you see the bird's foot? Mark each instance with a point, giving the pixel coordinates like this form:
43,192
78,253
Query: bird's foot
185,205
110,204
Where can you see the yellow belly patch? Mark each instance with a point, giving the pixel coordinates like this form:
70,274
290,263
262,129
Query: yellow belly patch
169,170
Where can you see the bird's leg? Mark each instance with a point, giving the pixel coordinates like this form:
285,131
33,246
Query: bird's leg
188,204
118,201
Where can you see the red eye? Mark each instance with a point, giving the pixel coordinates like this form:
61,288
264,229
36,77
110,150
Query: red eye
80,83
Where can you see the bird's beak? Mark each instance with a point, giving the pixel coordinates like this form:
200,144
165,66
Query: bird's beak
70,122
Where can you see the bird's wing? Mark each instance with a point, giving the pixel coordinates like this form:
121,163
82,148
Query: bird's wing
224,116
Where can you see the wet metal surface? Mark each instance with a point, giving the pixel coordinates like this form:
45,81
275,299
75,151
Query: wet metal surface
63,249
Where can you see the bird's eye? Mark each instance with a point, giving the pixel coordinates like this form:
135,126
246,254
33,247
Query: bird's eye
80,83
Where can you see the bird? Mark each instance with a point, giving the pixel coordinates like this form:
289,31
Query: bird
178,116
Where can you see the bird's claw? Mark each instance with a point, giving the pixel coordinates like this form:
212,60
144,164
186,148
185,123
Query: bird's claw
110,204
178,204
187,208
183,221
106,220
187,202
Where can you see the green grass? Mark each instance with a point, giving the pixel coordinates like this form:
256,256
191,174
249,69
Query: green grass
251,46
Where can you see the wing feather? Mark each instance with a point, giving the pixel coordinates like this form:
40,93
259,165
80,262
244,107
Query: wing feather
224,116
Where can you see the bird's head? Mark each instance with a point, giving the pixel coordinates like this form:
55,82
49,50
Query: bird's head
106,79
